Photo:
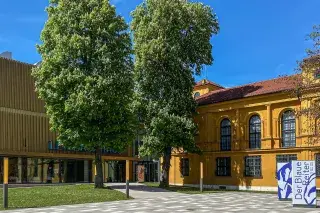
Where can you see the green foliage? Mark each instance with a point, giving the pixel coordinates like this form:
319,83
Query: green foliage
86,74
167,130
171,44
314,36
308,87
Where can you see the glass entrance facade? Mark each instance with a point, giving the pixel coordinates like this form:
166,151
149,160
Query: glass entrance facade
115,171
150,170
38,170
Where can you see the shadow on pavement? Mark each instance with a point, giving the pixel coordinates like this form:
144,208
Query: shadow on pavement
136,188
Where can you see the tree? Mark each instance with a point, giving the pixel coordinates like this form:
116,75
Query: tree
86,76
308,87
171,44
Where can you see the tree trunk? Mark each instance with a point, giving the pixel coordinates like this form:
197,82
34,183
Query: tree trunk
98,179
164,178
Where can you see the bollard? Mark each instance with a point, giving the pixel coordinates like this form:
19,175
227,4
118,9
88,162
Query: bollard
127,177
5,195
5,182
127,188
201,176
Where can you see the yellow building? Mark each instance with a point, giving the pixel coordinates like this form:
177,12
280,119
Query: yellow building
243,132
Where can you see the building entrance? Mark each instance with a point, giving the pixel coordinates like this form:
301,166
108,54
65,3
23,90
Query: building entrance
115,171
146,171
75,171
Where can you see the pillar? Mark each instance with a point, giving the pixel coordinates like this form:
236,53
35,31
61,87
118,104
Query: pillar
238,134
5,181
86,171
277,134
94,171
246,137
217,138
128,162
201,176
269,121
268,135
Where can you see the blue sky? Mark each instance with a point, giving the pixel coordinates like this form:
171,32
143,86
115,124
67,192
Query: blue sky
258,39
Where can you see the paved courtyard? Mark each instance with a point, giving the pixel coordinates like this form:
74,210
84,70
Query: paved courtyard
153,200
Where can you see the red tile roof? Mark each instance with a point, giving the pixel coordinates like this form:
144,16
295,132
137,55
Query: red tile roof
206,82
259,88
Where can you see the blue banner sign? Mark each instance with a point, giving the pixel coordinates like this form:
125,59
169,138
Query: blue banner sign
284,178
304,183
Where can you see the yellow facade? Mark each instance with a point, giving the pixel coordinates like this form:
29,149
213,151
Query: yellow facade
205,86
270,108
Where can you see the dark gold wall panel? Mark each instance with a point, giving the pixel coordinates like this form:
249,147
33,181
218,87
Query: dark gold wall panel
17,89
24,126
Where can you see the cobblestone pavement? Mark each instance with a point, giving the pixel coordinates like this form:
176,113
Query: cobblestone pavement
222,202
149,199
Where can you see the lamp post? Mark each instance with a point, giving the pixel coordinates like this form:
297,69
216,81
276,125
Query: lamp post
201,176
127,177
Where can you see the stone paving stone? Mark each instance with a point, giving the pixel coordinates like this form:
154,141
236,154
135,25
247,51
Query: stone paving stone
174,202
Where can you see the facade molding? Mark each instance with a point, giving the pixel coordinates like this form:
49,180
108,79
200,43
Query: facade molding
63,155
241,105
257,151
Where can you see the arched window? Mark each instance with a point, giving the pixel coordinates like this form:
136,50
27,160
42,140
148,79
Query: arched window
197,94
255,132
225,134
288,122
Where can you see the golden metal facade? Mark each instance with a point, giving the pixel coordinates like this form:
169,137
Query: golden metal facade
24,126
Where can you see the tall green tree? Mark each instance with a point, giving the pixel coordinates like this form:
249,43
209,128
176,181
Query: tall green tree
171,44
86,76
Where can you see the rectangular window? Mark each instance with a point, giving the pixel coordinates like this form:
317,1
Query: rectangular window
317,157
288,129
285,158
223,166
185,167
253,166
